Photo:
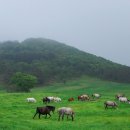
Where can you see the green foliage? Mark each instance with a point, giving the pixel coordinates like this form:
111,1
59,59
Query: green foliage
24,82
50,61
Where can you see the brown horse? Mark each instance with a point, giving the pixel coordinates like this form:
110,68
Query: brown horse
42,111
79,98
71,99
83,97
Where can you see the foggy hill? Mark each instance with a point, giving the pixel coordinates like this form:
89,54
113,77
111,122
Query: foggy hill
50,60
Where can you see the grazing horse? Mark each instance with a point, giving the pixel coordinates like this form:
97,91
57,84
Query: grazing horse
96,95
110,103
51,108
31,100
42,111
65,111
57,99
123,99
46,100
83,97
71,99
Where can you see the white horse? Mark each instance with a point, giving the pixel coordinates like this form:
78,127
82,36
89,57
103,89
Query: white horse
31,100
51,98
110,103
65,111
96,95
122,99
57,99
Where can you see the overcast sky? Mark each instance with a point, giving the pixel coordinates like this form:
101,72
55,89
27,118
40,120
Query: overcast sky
100,27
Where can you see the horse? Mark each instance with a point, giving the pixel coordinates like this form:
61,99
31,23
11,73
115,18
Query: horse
110,103
96,95
65,111
71,99
123,99
46,100
83,97
42,111
33,100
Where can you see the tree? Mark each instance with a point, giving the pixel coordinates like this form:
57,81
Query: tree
23,82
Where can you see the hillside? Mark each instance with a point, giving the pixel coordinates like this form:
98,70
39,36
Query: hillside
50,61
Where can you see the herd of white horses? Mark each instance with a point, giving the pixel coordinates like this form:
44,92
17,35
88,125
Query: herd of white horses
69,111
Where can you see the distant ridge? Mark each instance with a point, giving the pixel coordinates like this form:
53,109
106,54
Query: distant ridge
50,60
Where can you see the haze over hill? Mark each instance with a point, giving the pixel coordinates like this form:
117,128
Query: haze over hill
50,60
99,27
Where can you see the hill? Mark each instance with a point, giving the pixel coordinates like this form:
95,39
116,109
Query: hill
50,61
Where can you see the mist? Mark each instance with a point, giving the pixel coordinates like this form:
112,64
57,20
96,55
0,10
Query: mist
97,27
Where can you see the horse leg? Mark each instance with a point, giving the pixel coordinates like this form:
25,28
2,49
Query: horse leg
59,117
49,115
62,116
39,115
46,116
53,111
48,101
67,117
106,106
34,115
72,117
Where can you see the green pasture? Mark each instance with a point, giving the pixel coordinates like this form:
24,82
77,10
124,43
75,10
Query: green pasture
16,113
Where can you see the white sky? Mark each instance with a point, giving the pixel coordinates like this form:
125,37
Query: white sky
100,27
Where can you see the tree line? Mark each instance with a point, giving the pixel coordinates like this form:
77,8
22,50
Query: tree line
50,61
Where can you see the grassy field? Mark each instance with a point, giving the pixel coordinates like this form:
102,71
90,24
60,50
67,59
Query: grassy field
16,113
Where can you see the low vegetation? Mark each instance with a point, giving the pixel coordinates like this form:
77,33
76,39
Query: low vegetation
17,114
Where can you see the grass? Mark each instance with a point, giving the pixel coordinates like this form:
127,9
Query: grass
16,113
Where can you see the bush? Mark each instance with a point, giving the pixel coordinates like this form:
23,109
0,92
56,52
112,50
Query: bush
23,82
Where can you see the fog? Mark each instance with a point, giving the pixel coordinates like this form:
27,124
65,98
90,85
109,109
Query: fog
96,26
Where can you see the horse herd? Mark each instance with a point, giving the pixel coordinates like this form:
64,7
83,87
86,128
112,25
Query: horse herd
46,110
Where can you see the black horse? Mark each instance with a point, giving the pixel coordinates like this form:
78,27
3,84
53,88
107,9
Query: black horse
46,100
42,111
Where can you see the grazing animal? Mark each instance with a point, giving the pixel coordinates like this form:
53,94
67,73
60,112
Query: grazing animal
31,100
119,95
46,100
96,95
83,97
65,111
51,98
122,99
110,103
42,111
51,108
57,99
71,99
79,97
